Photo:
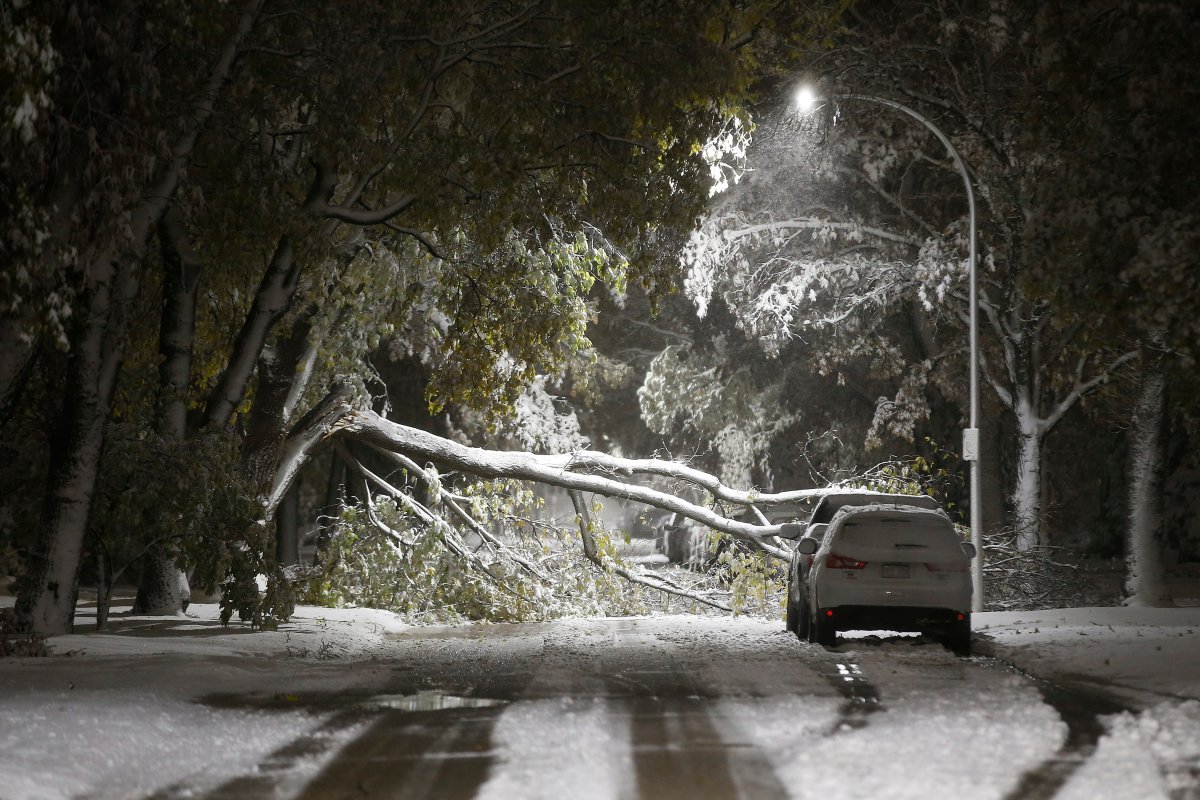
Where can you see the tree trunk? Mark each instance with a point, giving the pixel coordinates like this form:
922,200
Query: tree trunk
1027,489
163,588
280,368
103,591
1145,580
287,529
177,327
271,302
305,436
46,603
16,362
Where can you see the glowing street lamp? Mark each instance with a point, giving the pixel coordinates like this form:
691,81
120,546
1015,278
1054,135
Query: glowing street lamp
806,100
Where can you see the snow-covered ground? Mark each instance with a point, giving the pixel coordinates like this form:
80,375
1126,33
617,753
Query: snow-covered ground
100,717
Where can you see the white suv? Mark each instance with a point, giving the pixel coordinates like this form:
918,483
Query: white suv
882,566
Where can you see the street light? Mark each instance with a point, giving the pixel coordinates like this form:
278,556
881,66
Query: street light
806,100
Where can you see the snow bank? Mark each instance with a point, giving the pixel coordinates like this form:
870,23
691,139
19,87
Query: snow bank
1142,654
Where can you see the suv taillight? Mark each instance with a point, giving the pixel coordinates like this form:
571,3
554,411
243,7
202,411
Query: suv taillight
835,561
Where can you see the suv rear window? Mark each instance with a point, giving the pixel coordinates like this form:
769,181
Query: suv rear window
923,537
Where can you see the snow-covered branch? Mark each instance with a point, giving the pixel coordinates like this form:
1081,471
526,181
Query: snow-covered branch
308,432
365,216
452,503
817,223
590,550
568,472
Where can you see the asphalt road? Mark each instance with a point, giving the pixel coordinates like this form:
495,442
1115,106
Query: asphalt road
648,708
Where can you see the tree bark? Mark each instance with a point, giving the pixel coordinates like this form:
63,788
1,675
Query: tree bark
1145,579
177,327
279,369
271,302
287,529
163,587
46,603
16,362
304,437
1027,489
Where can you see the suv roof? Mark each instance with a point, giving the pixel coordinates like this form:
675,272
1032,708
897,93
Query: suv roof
830,504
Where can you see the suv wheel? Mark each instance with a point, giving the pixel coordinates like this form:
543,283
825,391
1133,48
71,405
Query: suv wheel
824,631
958,640
803,625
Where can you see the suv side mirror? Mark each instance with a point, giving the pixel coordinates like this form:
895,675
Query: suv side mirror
791,530
969,549
807,546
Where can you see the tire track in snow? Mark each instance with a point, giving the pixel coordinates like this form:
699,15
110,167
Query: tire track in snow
862,698
1081,711
679,748
287,767
412,755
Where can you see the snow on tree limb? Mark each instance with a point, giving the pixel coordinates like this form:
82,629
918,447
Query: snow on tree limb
567,472
306,434
819,223
444,531
642,579
452,503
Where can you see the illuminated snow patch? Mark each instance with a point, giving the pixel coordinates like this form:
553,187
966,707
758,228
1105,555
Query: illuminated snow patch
560,748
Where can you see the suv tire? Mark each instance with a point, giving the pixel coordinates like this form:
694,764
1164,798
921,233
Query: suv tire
824,631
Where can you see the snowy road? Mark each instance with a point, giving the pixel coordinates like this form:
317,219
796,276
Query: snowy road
686,707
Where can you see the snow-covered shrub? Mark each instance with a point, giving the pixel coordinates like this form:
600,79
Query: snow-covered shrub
1037,578
529,568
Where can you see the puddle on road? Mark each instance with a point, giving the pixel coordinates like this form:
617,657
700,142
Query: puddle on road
426,701
351,702
358,714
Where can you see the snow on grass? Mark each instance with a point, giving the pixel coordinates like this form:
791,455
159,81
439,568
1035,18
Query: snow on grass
116,715
1144,654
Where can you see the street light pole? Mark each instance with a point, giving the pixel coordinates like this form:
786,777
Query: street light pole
971,444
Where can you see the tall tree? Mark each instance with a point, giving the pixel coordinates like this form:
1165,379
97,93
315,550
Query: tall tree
464,169
96,158
884,273
1120,221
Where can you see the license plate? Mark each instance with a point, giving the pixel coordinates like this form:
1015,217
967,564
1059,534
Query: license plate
895,570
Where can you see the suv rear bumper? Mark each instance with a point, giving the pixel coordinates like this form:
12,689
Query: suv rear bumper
894,618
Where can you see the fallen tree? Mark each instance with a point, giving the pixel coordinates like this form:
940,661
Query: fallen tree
431,508
586,471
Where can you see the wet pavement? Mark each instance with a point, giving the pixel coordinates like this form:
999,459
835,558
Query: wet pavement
655,713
